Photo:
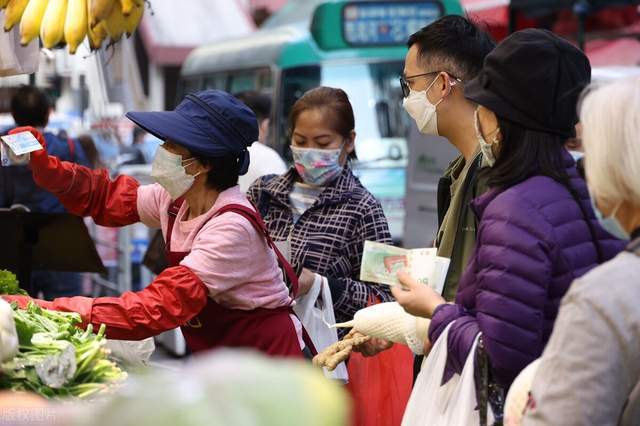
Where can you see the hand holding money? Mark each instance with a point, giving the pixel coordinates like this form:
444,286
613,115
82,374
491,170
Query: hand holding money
417,299
381,264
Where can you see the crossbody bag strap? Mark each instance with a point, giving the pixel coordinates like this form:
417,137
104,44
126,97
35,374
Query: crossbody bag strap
173,210
256,221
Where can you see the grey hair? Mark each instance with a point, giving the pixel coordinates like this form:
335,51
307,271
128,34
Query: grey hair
610,117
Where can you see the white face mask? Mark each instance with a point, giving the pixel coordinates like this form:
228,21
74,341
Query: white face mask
485,147
422,111
168,170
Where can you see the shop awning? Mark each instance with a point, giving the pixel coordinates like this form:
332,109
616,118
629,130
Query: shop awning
175,28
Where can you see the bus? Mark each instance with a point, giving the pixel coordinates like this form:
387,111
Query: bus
358,46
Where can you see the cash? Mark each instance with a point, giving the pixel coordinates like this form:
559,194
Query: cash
381,264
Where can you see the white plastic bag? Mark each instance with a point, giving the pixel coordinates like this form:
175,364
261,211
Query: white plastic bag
315,310
451,404
133,353
14,58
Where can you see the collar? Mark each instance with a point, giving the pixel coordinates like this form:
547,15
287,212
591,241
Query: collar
340,189
231,195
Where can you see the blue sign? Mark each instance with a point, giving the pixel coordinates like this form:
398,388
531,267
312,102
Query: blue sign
384,24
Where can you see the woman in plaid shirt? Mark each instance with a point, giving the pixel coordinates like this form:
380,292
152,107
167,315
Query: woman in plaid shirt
320,207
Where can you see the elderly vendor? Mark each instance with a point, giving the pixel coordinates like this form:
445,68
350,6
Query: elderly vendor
224,286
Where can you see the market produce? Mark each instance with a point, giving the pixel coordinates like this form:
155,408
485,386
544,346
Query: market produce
76,24
56,359
389,321
8,334
13,13
52,28
9,283
340,351
70,22
31,20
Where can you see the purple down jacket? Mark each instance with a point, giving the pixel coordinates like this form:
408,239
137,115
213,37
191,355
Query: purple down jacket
533,241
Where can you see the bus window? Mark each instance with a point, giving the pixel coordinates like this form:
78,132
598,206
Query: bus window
259,80
216,81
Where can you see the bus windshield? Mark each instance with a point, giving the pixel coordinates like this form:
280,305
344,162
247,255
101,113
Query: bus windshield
376,97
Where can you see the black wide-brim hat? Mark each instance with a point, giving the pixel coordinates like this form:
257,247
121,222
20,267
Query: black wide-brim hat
533,78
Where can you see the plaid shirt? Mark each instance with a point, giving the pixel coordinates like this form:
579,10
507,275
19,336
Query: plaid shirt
328,238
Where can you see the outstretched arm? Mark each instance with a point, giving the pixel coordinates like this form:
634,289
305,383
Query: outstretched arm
82,191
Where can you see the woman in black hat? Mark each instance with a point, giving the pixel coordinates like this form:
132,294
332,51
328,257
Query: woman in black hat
224,286
537,231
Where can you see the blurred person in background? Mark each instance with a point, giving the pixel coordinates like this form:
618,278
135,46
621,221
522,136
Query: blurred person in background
91,152
264,159
224,285
133,154
537,230
589,373
30,106
324,214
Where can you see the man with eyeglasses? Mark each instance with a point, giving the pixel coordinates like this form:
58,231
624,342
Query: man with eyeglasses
442,57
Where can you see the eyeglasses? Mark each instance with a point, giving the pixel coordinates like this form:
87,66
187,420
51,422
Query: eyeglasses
404,81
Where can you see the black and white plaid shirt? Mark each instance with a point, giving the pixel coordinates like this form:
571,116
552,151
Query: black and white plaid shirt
328,238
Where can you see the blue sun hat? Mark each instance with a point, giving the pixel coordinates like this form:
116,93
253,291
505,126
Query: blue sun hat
211,123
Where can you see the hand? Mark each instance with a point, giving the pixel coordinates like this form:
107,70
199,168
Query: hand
305,281
416,298
427,347
373,347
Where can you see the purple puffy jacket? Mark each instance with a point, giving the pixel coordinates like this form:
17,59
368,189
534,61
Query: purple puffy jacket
533,241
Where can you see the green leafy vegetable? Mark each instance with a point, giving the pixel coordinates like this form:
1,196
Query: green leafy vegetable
56,359
9,283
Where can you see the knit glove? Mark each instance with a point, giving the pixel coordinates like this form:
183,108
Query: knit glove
389,321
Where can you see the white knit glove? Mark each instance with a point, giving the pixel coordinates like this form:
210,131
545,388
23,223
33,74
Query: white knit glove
389,321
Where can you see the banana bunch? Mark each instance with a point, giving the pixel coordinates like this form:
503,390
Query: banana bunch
69,22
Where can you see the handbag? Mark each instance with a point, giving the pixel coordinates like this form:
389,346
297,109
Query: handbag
451,404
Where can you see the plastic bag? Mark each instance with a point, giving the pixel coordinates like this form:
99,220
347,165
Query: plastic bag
315,311
132,353
14,58
451,404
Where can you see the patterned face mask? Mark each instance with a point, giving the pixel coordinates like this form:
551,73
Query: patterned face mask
317,167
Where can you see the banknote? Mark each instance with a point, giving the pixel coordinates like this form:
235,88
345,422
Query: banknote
381,264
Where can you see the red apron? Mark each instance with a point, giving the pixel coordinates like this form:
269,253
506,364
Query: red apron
268,330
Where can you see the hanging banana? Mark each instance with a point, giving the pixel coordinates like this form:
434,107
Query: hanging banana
100,10
115,23
75,24
52,28
131,22
129,5
31,20
13,13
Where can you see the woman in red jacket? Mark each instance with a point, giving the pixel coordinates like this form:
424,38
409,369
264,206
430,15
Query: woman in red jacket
223,286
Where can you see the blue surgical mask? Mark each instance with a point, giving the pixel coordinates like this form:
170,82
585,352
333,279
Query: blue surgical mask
610,223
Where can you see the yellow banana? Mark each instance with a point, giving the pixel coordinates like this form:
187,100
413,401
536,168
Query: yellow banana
3,3
31,19
115,23
15,9
100,10
75,24
52,27
131,22
129,5
96,35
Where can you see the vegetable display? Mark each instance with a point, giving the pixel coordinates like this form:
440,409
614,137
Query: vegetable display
9,283
56,359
